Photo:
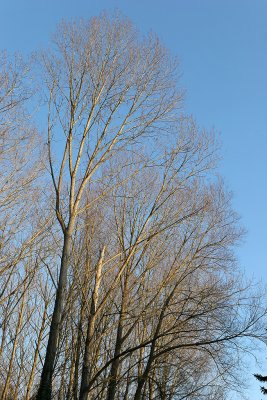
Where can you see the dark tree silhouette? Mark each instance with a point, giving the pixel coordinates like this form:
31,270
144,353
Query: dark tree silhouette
262,378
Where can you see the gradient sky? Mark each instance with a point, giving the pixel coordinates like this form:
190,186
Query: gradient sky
222,48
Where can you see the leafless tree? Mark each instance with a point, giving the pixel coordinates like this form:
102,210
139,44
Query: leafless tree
117,267
106,90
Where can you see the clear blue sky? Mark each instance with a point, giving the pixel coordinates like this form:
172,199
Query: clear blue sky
222,47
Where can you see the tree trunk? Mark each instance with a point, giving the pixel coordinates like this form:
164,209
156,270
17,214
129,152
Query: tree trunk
84,388
78,353
36,353
45,388
4,325
143,378
115,365
113,376
16,337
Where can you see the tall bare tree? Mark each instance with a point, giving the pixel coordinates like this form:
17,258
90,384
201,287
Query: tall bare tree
106,89
117,270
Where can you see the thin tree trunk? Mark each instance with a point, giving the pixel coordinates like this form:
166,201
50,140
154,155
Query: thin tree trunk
45,388
78,354
144,376
4,327
17,386
115,365
125,397
61,394
36,353
84,388
119,341
18,327
142,379
151,389
69,395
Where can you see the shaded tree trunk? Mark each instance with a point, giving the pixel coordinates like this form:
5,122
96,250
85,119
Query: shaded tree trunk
45,388
15,343
85,380
119,341
36,353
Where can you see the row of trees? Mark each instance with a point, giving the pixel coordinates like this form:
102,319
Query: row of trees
118,274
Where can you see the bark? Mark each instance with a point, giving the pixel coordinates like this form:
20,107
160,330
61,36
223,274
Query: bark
21,364
78,354
85,380
143,378
70,395
118,346
45,388
36,353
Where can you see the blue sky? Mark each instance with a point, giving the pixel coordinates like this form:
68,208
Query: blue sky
222,48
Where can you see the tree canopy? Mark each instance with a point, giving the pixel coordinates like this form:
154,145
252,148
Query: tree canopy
118,272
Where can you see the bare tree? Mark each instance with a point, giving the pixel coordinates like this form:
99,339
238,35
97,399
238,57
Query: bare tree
20,227
117,268
176,297
106,90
